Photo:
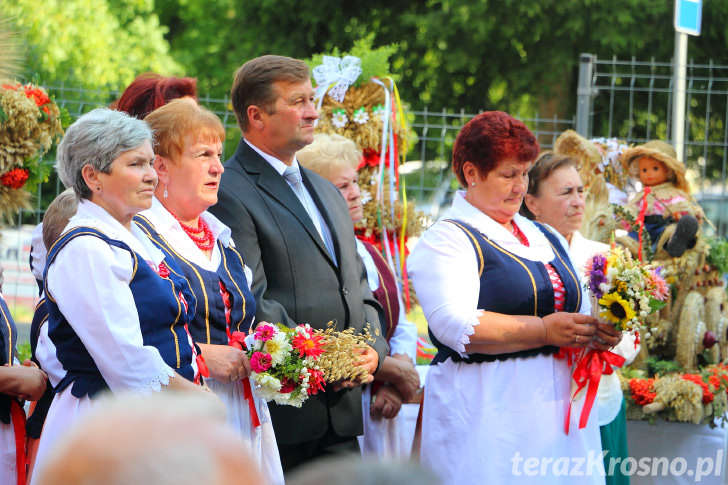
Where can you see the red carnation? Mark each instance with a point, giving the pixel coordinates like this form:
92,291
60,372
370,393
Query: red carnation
14,178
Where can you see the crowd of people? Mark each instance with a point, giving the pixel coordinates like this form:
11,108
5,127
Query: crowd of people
159,253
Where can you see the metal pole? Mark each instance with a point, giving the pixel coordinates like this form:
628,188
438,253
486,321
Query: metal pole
678,103
584,94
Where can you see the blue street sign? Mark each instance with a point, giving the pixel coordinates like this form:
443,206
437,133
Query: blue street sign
687,16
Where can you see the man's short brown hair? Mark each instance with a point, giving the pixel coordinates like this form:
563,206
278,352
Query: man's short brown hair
253,83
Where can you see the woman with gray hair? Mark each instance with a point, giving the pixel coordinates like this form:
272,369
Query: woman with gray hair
118,310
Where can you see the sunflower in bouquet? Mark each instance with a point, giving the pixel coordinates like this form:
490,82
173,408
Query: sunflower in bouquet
624,291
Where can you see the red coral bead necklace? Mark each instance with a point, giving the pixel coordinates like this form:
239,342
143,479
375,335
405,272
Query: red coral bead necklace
200,235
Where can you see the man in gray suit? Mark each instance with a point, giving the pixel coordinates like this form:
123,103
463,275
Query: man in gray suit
294,231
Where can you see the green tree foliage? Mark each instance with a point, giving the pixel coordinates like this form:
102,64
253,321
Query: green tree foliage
94,43
471,54
518,55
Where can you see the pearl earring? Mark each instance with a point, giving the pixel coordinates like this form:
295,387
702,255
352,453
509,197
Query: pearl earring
165,192
473,184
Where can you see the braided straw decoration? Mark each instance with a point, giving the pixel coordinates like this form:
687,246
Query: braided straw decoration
691,329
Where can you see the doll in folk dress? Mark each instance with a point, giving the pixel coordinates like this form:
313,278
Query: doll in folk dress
672,218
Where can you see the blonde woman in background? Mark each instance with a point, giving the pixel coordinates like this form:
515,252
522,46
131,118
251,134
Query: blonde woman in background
336,158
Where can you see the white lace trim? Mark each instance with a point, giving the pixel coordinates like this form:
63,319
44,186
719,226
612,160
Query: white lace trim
155,383
468,330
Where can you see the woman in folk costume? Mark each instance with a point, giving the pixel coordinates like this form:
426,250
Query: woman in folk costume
55,220
671,216
188,147
556,197
118,309
500,296
336,158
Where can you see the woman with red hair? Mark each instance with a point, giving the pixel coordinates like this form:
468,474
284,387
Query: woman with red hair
149,91
501,296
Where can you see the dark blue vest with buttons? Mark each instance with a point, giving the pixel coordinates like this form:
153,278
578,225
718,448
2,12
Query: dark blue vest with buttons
163,317
209,324
515,286
8,340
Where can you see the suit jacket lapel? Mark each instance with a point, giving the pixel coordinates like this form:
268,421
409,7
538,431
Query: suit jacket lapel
271,182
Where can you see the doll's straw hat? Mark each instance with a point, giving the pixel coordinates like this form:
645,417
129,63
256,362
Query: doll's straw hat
660,151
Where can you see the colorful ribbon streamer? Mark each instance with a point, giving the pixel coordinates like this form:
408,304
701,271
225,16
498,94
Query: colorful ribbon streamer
586,374
18,416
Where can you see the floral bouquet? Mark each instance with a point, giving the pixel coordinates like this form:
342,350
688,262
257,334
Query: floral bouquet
290,364
623,290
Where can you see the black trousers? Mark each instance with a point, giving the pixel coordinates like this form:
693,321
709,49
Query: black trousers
327,445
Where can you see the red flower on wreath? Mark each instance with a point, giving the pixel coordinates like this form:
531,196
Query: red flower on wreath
35,94
641,391
15,178
707,395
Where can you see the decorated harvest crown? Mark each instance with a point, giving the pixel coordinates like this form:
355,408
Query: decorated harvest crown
595,156
357,99
29,124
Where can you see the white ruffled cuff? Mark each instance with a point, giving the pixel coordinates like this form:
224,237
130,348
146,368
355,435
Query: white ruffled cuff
467,331
155,383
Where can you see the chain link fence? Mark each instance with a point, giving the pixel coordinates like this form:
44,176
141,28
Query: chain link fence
632,101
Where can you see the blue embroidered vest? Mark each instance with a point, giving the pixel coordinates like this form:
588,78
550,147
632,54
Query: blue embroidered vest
209,325
162,318
515,286
8,340
34,423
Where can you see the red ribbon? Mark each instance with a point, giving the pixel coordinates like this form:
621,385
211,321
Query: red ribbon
237,340
248,394
202,366
18,416
641,221
587,373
